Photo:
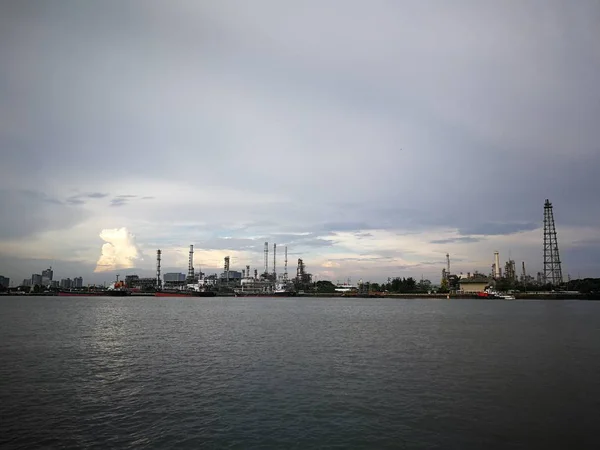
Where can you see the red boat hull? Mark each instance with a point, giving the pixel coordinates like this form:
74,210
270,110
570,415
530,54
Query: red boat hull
185,294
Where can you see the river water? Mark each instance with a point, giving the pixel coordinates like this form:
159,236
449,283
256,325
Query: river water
298,373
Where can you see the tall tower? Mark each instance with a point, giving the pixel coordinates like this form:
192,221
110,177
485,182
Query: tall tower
552,268
285,273
158,282
226,268
266,257
300,270
191,265
448,264
274,261
497,270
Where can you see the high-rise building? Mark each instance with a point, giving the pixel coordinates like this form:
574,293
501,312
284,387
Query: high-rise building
4,282
36,278
77,282
48,273
66,283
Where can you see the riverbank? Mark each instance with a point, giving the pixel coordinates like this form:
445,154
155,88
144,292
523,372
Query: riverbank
518,296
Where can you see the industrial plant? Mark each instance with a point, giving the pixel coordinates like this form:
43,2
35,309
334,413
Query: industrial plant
508,278
247,282
500,281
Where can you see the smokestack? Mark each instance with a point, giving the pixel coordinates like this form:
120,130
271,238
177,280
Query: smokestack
158,281
191,265
274,260
285,273
497,264
448,263
226,268
524,275
266,257
248,274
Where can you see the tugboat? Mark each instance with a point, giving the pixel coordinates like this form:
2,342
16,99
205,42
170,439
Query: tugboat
493,294
118,289
198,289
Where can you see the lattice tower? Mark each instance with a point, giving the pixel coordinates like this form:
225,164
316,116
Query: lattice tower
552,266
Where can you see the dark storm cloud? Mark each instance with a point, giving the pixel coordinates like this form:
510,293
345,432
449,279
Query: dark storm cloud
25,212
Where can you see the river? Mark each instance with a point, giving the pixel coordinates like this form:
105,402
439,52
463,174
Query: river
298,373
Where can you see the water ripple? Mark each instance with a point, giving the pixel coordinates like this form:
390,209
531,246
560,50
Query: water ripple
297,373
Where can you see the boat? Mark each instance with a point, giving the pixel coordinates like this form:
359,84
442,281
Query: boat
493,294
118,289
105,293
121,292
250,287
81,293
346,288
265,294
180,293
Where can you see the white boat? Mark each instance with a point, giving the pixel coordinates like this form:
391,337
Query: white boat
492,293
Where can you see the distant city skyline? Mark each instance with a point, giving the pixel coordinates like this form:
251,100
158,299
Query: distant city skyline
371,138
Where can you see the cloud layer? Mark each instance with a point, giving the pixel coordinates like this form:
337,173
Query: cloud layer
369,137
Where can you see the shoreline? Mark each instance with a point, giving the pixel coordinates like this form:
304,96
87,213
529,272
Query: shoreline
518,296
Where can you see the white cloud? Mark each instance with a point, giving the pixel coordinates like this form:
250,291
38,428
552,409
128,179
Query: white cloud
119,252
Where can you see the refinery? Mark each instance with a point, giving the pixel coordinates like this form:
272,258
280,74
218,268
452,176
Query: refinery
242,283
501,282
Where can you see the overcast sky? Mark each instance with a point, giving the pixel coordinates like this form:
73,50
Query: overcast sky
370,137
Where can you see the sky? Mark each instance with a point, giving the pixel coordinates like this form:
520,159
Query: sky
369,137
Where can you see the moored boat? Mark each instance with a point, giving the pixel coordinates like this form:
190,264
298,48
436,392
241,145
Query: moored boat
265,294
81,293
185,294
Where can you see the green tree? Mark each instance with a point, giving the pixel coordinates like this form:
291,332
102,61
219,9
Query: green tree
325,287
